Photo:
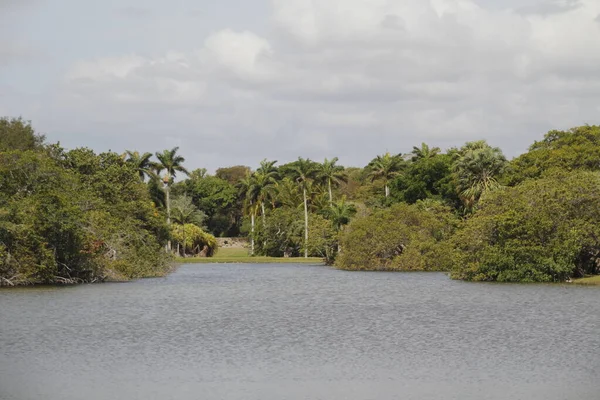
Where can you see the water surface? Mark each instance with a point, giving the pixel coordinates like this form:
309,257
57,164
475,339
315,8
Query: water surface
273,332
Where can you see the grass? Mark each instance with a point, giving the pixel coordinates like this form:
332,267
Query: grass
590,280
236,255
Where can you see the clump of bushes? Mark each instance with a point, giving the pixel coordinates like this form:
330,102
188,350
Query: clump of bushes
543,230
191,239
401,238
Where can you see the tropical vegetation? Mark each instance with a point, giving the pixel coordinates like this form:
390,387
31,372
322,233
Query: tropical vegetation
69,216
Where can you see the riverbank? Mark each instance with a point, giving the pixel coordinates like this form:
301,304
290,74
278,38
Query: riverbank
589,281
240,255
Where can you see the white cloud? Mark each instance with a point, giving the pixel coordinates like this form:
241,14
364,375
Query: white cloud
331,74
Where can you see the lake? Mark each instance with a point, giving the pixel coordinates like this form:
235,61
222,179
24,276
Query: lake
274,332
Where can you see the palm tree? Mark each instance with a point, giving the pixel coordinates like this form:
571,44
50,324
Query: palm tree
171,163
248,192
424,152
384,168
288,194
141,162
265,179
332,174
185,212
340,213
304,171
476,171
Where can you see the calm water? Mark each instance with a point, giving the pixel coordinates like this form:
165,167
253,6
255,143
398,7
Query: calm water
299,332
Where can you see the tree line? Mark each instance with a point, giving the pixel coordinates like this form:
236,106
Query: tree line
79,216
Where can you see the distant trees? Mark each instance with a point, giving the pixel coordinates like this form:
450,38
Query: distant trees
385,168
77,216
171,163
477,170
141,162
400,238
303,172
331,174
543,230
17,134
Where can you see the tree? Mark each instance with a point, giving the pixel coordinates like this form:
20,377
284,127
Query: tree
141,163
428,178
544,230
68,217
265,179
575,149
247,190
424,152
183,211
384,168
340,213
216,197
171,163
477,170
400,238
232,174
17,134
331,174
304,171
194,240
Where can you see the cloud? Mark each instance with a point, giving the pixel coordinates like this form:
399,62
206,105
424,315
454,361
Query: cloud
550,7
352,78
133,12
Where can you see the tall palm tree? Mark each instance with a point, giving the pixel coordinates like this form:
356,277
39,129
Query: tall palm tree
141,163
424,152
287,193
385,168
185,212
265,179
171,163
476,171
340,213
304,171
331,173
248,192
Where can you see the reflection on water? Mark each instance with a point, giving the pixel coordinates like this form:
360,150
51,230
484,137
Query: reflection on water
299,332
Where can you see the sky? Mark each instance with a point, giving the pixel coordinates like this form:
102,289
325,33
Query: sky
232,82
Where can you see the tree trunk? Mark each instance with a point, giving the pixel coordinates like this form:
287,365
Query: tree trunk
305,224
330,195
264,222
387,190
168,193
252,233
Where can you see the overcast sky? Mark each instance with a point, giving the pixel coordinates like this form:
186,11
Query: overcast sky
235,81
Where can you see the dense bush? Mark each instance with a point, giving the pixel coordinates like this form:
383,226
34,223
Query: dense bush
76,217
193,240
401,238
540,231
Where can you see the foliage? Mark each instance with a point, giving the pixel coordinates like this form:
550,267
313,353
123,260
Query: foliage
232,174
401,238
193,240
213,196
17,134
427,177
575,149
539,231
384,168
183,211
79,217
477,170
141,162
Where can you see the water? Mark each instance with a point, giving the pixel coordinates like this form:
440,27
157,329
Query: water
299,332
